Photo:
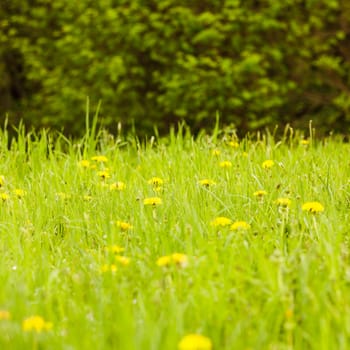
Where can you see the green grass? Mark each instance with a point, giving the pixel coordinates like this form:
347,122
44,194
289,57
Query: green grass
282,284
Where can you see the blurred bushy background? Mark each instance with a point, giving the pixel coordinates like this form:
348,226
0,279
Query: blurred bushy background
157,62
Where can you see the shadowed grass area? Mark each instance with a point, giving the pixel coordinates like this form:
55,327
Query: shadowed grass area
119,245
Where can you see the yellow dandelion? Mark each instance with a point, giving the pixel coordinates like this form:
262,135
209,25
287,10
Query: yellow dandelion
240,225
178,259
117,186
216,152
36,323
4,197
108,268
305,142
104,174
313,207
19,193
84,163
123,260
283,202
233,144
207,182
164,260
124,226
116,249
195,342
100,159
156,181
225,164
221,221
260,193
268,164
152,201
5,315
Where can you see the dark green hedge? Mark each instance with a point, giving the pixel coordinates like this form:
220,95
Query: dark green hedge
257,63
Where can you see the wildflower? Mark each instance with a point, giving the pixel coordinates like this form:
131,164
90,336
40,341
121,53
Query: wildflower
117,186
221,221
283,202
84,163
260,193
104,174
36,323
216,152
178,259
2,180
123,260
233,144
5,315
313,207
19,193
114,249
100,159
195,342
225,164
4,197
152,201
108,268
268,164
156,181
240,225
207,182
305,142
124,226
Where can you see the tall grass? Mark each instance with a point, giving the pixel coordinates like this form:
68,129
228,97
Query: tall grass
283,283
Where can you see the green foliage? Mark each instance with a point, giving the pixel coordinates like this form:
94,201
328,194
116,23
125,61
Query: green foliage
159,62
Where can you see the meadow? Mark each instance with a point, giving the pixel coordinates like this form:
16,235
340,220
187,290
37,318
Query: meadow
188,243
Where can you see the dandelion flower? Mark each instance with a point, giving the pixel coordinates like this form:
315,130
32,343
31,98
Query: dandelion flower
313,207
108,268
116,249
36,323
240,225
124,226
152,201
207,182
5,315
268,164
283,202
233,144
4,197
104,174
117,186
259,193
100,159
221,221
305,142
225,164
216,152
195,342
19,193
84,163
123,260
178,259
156,181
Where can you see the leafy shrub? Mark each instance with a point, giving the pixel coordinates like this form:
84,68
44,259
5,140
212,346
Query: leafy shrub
158,62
